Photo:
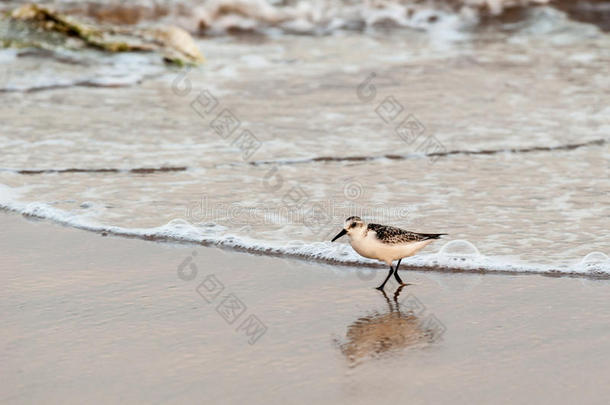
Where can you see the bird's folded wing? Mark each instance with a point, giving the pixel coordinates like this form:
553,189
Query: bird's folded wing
391,234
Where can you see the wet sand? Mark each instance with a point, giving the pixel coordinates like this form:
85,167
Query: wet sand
108,319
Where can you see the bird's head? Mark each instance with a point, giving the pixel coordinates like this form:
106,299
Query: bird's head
353,226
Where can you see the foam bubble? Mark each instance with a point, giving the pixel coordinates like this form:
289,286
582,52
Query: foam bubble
459,248
595,263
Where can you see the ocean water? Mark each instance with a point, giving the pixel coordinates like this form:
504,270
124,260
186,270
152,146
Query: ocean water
490,127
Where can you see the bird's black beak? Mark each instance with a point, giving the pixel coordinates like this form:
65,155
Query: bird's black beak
340,234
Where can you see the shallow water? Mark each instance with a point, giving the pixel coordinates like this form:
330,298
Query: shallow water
497,136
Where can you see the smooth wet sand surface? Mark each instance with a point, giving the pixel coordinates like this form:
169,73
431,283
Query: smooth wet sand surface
99,319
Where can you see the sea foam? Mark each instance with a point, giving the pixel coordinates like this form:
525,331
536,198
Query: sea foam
453,256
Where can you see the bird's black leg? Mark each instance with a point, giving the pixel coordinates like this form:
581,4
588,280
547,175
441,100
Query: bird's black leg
396,276
386,279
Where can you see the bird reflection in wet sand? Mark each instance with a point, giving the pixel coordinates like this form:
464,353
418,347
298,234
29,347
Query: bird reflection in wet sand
385,332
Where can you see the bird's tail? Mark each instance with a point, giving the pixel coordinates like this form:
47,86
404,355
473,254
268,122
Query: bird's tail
433,235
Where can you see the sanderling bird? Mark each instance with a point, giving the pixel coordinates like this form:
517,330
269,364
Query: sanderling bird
385,243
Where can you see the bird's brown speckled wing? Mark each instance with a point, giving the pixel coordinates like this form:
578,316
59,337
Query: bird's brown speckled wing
391,234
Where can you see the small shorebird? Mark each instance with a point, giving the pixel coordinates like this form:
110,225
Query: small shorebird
385,243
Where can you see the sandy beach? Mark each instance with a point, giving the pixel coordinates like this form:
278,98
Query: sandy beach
89,318
173,173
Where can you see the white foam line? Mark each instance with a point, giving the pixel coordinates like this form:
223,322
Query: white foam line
180,230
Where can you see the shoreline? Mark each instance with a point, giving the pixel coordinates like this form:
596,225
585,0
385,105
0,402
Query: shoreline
148,234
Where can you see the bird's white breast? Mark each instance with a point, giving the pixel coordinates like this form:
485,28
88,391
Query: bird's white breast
371,247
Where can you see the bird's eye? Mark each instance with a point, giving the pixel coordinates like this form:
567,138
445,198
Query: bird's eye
352,225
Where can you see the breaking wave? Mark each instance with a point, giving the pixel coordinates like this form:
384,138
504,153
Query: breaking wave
214,17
